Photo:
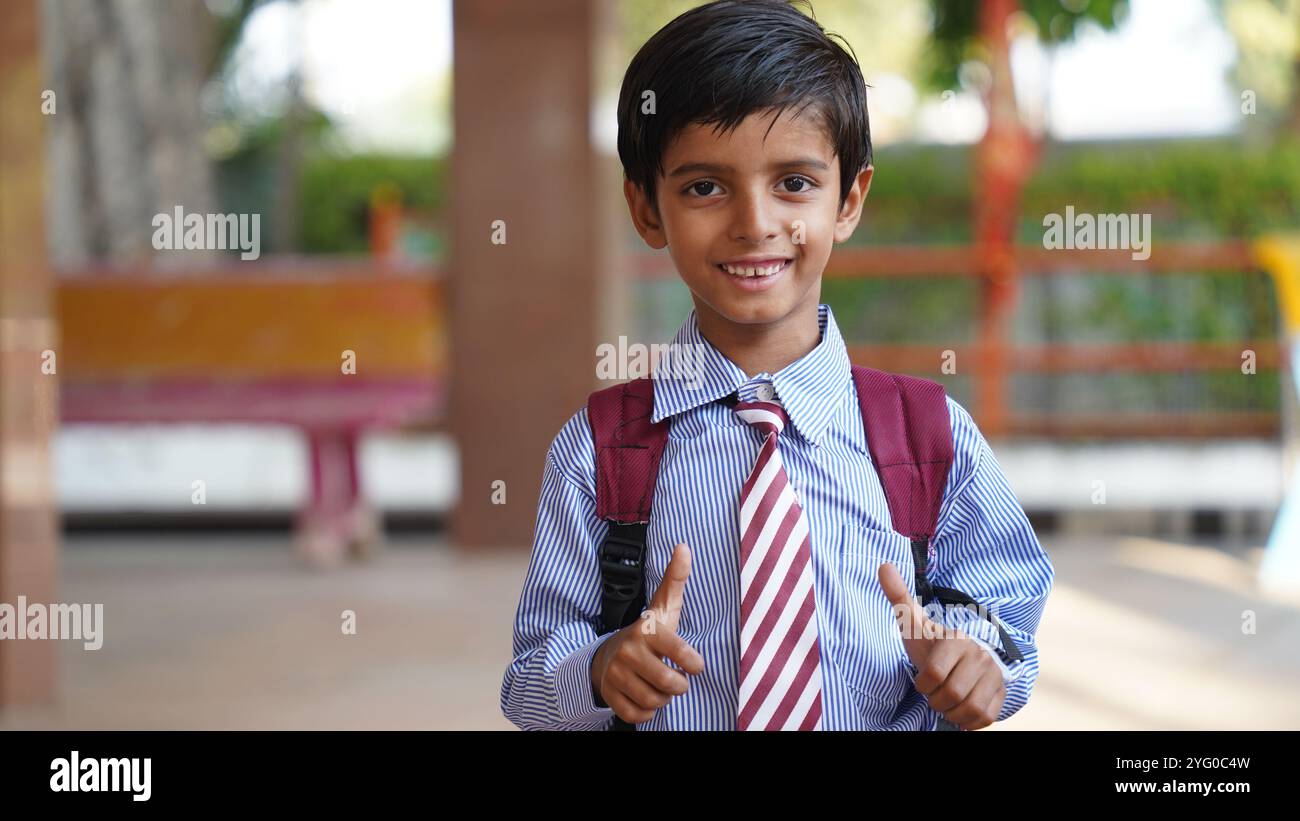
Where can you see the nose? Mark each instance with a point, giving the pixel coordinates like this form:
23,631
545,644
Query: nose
753,219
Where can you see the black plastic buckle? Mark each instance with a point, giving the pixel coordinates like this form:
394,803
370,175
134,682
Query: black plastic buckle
920,559
622,557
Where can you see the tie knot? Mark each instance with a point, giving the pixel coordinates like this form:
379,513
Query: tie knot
767,416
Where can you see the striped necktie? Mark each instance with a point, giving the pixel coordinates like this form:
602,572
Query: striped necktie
780,657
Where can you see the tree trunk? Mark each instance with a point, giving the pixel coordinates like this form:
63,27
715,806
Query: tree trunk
126,140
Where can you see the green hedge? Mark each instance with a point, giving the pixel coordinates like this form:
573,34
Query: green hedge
1194,188
336,195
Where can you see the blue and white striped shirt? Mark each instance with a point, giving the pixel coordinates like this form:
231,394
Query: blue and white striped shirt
984,545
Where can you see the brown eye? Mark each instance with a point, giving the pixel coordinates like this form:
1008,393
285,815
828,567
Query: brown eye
807,185
695,187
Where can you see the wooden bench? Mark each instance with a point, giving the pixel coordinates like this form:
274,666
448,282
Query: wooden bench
263,343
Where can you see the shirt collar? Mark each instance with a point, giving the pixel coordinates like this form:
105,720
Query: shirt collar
691,372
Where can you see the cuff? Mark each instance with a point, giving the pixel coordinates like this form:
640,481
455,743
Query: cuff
573,687
1010,674
986,635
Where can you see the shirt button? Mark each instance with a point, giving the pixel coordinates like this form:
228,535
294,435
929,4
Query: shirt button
765,392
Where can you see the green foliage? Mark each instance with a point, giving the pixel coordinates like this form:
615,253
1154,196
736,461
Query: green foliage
227,30
336,196
1202,188
939,310
955,29
919,194
1194,189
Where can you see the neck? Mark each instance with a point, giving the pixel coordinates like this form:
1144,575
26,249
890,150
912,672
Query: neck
760,348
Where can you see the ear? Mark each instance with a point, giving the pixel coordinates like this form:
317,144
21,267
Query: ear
645,215
847,221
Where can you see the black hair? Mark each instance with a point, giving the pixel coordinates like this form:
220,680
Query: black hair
720,62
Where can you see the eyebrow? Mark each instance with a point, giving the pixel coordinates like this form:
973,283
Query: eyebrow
718,168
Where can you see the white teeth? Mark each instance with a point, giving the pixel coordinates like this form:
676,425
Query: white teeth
752,271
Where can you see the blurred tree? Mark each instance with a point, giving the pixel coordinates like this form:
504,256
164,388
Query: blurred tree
225,30
1267,34
129,138
284,217
126,139
1267,72
972,47
956,40
263,129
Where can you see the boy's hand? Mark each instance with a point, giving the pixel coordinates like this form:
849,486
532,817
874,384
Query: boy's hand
957,675
628,672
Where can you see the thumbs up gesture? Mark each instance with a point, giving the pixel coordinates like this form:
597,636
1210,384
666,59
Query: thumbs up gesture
957,675
628,672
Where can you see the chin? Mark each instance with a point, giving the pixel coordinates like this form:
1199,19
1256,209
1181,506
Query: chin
755,310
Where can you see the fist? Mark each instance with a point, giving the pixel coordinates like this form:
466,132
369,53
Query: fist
956,674
628,672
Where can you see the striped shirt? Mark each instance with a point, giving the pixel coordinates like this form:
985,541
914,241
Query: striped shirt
983,545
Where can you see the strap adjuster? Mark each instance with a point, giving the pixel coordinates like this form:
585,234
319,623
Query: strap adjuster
622,557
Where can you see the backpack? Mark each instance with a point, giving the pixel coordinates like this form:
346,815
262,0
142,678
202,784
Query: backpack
909,435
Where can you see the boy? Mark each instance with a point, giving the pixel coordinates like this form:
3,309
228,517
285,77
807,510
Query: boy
744,138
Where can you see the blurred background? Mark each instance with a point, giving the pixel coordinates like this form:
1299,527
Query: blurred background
233,452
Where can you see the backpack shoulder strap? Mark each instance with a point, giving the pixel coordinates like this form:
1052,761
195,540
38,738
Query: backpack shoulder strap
909,434
628,450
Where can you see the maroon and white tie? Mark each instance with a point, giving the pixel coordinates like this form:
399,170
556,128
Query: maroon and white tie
780,657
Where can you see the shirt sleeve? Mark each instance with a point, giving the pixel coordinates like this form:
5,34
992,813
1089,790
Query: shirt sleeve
985,547
556,629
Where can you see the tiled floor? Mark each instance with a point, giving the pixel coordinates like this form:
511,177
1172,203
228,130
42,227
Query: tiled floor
226,631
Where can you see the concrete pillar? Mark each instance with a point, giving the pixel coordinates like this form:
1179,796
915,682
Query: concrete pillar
28,397
527,314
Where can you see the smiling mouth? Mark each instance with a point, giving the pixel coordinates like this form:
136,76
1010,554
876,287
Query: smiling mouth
754,271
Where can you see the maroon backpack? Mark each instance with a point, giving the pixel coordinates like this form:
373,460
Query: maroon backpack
909,434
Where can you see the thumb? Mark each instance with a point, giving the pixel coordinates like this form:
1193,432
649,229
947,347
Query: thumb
907,610
668,597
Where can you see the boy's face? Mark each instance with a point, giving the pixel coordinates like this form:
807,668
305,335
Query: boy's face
743,198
